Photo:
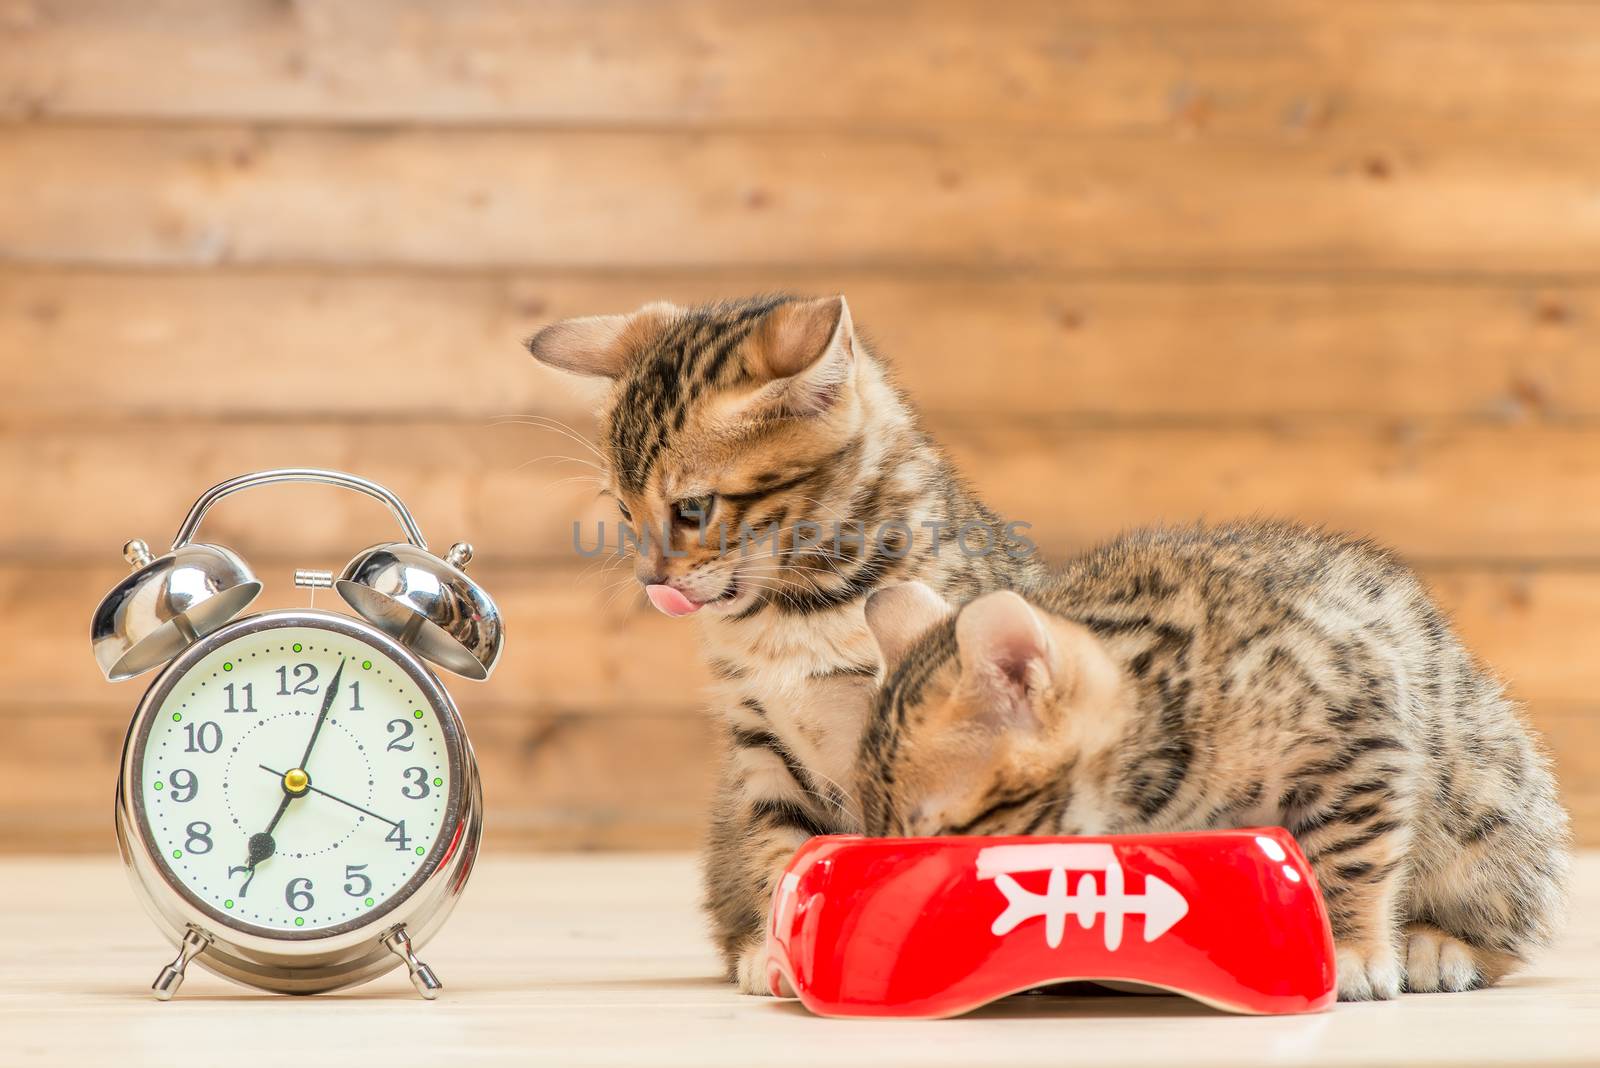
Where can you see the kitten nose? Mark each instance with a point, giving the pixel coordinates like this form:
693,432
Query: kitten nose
649,574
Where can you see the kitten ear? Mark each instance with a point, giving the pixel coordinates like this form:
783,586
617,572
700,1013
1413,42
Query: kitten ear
1007,659
1022,669
806,351
901,614
596,345
588,346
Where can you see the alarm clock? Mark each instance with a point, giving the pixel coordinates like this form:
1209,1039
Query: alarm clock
298,805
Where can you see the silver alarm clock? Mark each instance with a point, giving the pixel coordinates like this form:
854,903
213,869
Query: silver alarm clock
298,806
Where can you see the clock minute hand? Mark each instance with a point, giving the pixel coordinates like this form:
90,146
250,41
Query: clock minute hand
322,716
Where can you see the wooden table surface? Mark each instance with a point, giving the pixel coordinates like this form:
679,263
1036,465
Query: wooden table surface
601,960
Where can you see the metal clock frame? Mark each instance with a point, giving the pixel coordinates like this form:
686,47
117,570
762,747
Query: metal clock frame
416,609
305,962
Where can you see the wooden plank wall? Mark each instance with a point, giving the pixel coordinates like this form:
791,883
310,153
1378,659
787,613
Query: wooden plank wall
1139,261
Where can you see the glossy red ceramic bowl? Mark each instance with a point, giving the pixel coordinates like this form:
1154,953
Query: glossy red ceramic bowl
928,927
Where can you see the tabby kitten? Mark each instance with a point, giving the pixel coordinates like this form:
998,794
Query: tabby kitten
1234,676
769,415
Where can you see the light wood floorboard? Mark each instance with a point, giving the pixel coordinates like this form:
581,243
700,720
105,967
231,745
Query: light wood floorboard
601,960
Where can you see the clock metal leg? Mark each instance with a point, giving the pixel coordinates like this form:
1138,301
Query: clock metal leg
422,977
171,977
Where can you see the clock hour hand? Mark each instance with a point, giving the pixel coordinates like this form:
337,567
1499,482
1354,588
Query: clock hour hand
262,845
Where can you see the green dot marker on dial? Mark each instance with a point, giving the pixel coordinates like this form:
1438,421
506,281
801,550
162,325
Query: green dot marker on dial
417,714
227,665
228,904
158,786
436,781
369,902
420,851
296,647
299,921
177,854
366,665
177,717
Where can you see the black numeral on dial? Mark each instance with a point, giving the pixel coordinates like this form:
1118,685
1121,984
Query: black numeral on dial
249,691
416,787
305,679
404,727
397,835
203,738
243,869
297,895
185,784
199,840
357,884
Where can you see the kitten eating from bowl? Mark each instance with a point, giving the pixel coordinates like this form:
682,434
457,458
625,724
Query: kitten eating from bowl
1255,673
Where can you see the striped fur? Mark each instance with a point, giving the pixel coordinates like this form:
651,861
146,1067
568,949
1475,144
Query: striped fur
1234,676
775,406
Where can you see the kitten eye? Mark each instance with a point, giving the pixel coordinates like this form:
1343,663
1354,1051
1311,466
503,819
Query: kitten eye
693,511
627,516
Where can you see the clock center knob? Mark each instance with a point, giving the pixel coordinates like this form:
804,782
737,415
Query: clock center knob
296,782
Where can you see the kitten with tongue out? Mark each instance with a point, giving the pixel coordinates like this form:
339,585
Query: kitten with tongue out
775,478
669,601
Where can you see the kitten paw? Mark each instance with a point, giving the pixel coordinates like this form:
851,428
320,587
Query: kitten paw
1368,974
1437,962
750,972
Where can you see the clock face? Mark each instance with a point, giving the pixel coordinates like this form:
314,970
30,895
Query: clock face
296,779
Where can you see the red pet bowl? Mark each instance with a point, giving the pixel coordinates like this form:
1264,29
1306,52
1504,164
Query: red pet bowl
929,927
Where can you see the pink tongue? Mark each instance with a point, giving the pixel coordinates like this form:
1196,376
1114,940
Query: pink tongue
669,602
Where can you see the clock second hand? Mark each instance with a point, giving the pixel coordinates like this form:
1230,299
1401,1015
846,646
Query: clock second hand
342,801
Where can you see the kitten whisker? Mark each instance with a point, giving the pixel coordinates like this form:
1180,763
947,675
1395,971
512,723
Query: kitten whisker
836,513
738,546
839,806
546,422
604,563
787,595
618,588
561,458
575,478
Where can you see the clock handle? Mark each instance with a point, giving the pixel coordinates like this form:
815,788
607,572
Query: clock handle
191,522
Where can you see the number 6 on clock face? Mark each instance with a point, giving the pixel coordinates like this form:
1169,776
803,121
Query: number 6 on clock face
297,780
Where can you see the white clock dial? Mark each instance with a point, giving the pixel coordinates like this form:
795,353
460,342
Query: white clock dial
296,779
